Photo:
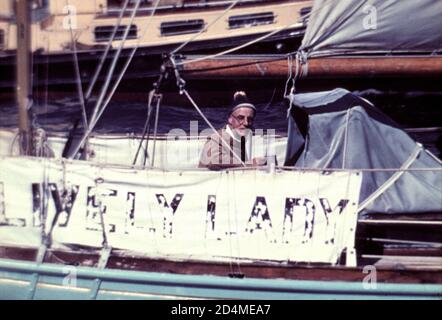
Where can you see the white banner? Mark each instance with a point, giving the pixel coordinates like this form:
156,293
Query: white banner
250,214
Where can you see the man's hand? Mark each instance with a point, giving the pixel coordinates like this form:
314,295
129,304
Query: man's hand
259,161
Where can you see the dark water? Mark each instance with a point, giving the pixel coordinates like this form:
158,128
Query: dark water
410,110
130,117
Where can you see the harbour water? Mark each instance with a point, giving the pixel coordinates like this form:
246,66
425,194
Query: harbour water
411,110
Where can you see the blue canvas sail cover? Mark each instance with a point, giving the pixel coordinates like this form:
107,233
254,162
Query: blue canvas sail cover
383,26
337,129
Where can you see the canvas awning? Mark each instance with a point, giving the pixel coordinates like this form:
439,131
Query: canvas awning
337,129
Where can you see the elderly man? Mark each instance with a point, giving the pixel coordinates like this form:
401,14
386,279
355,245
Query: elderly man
231,146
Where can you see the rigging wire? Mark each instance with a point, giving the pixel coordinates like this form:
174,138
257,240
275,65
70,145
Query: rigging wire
106,51
350,247
229,221
155,131
267,35
77,69
242,64
205,28
181,86
145,129
132,54
101,210
388,183
98,104
212,127
98,111
324,4
290,73
146,148
126,66
300,20
346,138
235,207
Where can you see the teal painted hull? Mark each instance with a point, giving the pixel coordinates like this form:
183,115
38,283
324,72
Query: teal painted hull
28,280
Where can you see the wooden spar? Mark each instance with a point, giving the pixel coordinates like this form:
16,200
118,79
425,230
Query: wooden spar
330,67
23,88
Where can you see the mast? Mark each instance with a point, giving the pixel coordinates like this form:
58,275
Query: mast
23,70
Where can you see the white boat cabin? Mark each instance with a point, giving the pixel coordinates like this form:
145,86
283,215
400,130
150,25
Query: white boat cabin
91,23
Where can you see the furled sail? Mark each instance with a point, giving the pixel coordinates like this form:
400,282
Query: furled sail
361,26
338,130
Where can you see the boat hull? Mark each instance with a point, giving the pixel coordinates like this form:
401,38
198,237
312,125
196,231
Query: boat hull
28,280
57,70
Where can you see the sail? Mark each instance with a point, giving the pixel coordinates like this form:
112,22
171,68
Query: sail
337,129
340,27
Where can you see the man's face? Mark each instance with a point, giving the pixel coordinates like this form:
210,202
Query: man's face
241,120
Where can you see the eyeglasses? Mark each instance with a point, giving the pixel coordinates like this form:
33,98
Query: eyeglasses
242,118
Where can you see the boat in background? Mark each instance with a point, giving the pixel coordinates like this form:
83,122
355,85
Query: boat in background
63,31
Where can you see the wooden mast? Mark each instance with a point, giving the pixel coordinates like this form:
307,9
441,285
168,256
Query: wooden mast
23,71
